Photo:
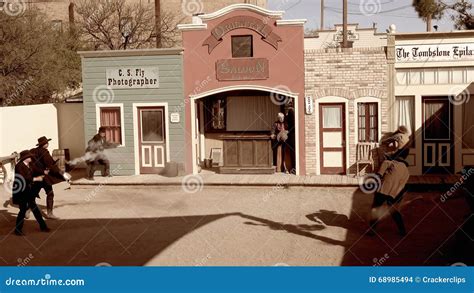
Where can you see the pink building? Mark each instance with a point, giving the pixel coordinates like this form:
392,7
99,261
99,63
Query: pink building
242,66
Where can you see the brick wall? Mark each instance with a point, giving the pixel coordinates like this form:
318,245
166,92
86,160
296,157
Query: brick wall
350,74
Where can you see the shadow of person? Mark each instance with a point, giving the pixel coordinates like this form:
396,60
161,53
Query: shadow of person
329,218
301,230
88,242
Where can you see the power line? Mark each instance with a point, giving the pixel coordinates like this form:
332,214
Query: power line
338,10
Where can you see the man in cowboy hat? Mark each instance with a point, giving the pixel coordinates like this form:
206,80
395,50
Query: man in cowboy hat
95,154
24,192
44,164
394,175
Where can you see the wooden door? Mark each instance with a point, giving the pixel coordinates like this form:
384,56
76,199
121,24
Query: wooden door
332,138
152,139
437,135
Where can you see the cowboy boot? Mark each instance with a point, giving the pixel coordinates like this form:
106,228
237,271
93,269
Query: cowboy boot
49,206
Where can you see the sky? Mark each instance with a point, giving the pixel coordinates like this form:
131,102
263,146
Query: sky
364,12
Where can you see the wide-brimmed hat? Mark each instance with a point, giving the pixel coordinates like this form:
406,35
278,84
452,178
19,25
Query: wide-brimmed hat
42,141
25,155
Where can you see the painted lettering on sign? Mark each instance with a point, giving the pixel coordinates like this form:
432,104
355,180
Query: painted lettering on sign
309,106
242,69
442,52
132,77
237,22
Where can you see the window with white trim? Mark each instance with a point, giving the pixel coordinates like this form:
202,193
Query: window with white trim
110,119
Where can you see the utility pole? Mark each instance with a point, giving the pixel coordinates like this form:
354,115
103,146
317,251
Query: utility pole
322,15
344,24
428,23
158,23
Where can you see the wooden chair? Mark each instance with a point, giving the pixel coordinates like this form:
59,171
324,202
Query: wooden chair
364,155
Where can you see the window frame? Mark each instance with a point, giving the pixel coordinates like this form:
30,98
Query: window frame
232,46
367,118
99,108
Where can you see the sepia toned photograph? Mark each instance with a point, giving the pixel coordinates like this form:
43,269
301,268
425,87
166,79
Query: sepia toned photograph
237,133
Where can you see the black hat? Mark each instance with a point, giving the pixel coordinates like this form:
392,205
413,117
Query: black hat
25,155
42,141
102,129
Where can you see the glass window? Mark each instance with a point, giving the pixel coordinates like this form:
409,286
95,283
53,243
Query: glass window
332,117
415,76
401,77
469,74
405,114
429,76
457,75
468,123
111,120
443,76
152,125
215,114
242,46
368,122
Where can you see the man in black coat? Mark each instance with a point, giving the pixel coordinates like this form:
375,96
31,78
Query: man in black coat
45,165
24,192
95,154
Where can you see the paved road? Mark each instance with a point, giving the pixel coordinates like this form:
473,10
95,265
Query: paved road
230,226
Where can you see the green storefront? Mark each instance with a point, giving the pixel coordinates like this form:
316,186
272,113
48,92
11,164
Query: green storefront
137,95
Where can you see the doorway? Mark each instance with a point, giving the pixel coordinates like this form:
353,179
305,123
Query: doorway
151,139
437,135
332,138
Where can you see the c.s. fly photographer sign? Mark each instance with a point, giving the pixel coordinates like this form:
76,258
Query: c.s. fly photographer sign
433,53
132,77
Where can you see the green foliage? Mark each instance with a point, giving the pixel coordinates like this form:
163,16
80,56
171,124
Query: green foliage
37,62
460,11
425,8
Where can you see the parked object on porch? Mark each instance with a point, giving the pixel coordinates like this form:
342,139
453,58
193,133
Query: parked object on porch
216,157
208,163
171,169
364,155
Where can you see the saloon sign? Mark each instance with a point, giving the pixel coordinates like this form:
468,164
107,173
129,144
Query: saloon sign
237,22
132,77
242,69
441,52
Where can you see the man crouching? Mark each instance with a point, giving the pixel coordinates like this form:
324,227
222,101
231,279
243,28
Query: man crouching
394,175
